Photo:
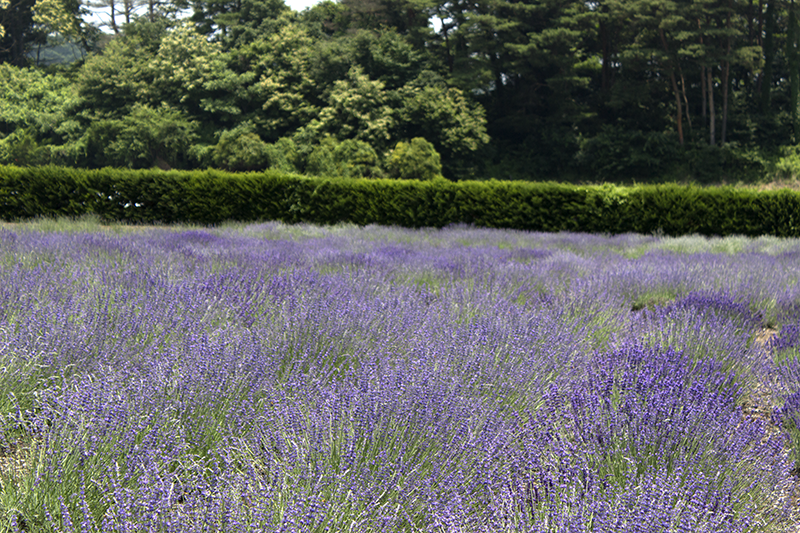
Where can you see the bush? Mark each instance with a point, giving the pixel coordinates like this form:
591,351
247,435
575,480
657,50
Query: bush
346,159
321,160
241,149
788,165
417,159
21,148
356,159
731,162
211,197
623,156
283,156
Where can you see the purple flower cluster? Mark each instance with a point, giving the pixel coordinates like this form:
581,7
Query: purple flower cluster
295,378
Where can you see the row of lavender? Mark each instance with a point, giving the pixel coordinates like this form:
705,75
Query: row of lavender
295,378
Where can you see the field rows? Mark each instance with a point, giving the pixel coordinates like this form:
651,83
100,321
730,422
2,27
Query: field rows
297,378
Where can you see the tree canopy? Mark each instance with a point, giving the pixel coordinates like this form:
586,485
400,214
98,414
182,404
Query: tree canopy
529,89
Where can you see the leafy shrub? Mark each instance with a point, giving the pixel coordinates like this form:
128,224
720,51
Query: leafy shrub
622,155
788,165
321,161
417,159
356,159
706,164
282,155
210,197
347,159
21,148
241,149
549,151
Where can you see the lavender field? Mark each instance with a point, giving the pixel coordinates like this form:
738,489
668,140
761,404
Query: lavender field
297,378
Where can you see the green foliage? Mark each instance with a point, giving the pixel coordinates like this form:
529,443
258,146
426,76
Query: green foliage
241,149
281,64
787,167
447,119
623,91
416,159
356,159
113,82
729,162
283,156
621,155
19,31
386,56
238,23
143,138
35,113
190,73
211,197
357,109
22,148
31,98
321,161
347,159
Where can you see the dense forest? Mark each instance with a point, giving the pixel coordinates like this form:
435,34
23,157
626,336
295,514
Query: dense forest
580,90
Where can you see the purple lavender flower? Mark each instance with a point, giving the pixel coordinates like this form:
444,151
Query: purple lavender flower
299,378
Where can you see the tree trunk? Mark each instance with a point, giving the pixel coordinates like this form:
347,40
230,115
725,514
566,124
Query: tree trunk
791,54
726,71
112,6
712,138
685,99
605,45
703,71
765,79
445,31
704,108
678,105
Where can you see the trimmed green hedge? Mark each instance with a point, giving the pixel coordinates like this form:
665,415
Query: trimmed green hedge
210,197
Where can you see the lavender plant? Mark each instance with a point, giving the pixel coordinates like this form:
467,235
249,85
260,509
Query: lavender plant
300,378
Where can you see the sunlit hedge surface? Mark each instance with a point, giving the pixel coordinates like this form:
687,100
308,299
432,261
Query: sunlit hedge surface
211,197
303,378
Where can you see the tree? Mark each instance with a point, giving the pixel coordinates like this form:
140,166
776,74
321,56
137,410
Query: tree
59,16
190,73
19,33
386,57
794,65
283,93
409,18
358,108
143,138
448,119
31,99
356,159
769,58
112,9
235,23
347,159
36,115
26,23
112,82
3,6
